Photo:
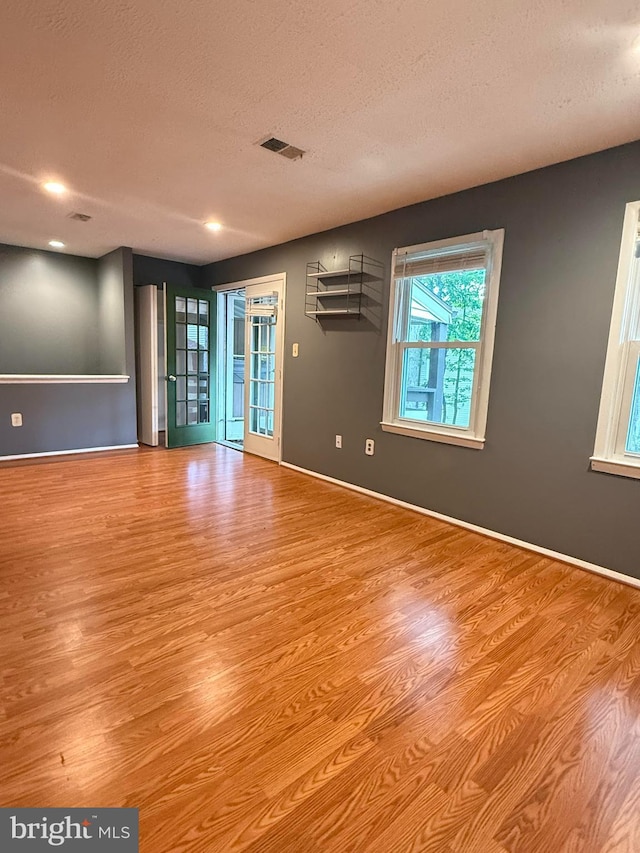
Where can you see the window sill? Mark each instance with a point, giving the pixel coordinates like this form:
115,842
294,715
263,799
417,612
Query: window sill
433,435
622,469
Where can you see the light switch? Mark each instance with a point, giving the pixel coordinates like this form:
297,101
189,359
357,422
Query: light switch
294,351
16,419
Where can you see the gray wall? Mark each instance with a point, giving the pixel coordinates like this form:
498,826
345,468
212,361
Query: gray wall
111,313
73,316
148,270
532,480
48,312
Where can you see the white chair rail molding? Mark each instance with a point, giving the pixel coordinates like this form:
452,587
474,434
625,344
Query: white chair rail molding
61,378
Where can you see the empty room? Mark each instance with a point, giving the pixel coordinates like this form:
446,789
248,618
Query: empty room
320,426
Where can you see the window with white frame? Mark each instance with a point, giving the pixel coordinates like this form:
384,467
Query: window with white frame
617,448
442,316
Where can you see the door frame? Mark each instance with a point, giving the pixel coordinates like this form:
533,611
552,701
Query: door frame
147,367
281,279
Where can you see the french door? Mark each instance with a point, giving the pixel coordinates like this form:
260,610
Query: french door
190,371
264,338
234,367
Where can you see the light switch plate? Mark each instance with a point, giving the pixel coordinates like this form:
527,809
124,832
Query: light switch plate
16,419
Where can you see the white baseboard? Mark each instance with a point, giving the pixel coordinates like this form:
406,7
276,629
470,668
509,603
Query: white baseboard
67,452
484,531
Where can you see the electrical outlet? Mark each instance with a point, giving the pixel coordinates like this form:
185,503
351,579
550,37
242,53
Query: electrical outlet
16,419
339,441
369,447
294,350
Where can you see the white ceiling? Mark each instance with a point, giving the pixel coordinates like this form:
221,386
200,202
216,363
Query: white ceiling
149,110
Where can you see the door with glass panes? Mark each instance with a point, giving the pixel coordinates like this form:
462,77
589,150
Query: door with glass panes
233,364
263,366
190,330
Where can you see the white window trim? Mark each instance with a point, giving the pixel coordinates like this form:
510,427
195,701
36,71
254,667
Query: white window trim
609,455
474,435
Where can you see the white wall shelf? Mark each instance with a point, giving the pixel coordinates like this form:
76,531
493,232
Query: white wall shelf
329,274
339,292
324,311
321,294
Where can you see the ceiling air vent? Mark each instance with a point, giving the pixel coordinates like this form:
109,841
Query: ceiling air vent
283,148
80,217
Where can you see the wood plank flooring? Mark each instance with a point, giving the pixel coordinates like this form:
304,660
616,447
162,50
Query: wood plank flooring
263,662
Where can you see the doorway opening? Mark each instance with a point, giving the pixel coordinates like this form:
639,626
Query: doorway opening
249,355
230,364
209,365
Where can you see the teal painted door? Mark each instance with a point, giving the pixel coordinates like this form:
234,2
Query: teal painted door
190,325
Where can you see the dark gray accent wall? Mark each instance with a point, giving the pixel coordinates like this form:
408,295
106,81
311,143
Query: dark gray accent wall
129,398
532,481
48,312
67,416
148,270
111,313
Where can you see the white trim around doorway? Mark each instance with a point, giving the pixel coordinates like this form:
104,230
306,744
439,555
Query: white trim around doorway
281,278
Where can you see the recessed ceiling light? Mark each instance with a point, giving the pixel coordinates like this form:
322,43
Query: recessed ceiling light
54,188
213,226
56,244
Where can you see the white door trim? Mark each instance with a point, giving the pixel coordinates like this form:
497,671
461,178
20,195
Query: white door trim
147,362
281,279
262,279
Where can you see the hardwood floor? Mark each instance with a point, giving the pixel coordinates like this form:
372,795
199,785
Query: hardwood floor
261,661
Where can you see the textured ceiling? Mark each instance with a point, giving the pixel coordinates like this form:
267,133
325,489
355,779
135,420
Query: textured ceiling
150,110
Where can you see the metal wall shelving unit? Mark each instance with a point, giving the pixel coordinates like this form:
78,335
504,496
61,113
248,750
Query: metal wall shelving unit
333,293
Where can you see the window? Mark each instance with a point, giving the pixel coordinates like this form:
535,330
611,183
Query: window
442,318
617,449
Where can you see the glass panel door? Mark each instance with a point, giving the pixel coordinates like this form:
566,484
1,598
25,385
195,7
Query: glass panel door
230,367
234,416
263,369
190,316
262,375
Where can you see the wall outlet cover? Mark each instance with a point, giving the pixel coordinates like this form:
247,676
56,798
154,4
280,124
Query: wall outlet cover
338,441
369,447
